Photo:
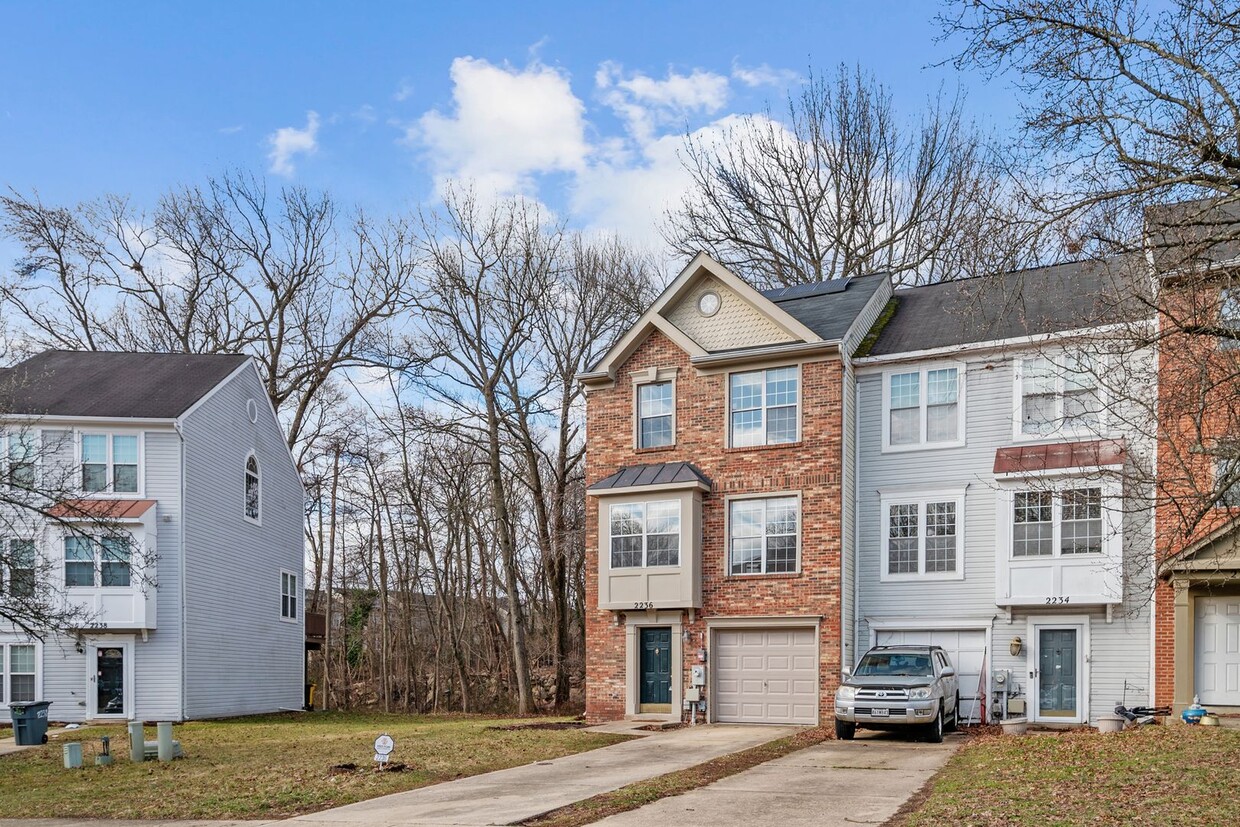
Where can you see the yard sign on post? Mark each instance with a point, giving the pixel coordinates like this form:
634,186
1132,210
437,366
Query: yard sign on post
383,748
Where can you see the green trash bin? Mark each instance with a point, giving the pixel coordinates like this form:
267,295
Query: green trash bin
29,722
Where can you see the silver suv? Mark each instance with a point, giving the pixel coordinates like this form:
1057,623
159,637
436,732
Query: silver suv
895,687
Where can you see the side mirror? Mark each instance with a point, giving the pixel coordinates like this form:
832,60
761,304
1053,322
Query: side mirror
947,672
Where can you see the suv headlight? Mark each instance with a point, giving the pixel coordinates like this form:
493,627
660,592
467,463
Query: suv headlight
846,693
919,693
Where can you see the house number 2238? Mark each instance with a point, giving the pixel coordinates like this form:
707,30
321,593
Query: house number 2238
645,605
1054,601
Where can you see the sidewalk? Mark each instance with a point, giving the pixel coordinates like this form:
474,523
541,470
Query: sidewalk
515,794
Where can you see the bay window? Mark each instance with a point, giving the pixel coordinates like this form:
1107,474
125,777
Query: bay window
103,562
1055,523
763,535
645,534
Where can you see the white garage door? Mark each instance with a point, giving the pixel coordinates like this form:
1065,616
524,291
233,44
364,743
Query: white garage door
966,648
1218,650
766,676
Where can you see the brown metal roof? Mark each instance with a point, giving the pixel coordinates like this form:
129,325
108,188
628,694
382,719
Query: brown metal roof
662,473
1092,454
90,509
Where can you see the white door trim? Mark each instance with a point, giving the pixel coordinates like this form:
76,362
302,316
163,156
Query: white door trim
93,645
1079,623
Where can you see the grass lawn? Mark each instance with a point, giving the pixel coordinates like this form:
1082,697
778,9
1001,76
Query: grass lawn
271,766
1174,775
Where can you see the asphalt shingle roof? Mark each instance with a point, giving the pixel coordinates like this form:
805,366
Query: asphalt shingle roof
662,473
1060,297
827,308
109,384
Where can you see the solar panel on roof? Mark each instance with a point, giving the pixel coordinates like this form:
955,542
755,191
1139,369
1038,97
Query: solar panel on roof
804,291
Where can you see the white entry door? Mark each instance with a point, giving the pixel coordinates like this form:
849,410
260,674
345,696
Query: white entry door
1218,650
966,649
109,690
766,676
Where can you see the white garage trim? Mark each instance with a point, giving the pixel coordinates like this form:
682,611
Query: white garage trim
794,700
633,624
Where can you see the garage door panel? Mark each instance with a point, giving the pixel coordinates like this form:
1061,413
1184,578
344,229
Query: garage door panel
766,676
966,649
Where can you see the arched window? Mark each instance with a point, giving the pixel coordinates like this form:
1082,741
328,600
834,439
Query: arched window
253,493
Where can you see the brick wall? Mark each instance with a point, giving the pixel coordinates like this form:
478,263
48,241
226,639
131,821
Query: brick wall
811,466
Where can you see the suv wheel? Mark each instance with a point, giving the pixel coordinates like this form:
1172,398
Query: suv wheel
844,731
955,722
934,731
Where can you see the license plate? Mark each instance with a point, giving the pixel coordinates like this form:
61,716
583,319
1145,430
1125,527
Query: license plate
880,712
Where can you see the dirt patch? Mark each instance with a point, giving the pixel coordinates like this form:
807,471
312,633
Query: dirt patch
675,783
552,725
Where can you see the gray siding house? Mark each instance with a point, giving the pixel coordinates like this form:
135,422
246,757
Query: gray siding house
995,514
191,605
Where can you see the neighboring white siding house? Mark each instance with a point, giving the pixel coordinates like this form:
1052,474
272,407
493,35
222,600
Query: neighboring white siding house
181,456
994,500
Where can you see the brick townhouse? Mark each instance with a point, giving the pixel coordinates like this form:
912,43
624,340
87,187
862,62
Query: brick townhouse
720,457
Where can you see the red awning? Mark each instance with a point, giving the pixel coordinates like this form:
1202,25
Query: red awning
1094,454
100,509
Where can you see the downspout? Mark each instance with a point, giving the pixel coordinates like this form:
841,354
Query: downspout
181,568
856,624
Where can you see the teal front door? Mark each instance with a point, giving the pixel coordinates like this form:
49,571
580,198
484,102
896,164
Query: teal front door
1057,675
656,670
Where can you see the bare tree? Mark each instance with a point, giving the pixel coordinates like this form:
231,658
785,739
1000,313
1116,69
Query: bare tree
848,188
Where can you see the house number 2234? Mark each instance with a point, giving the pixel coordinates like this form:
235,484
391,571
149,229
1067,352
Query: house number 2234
1055,601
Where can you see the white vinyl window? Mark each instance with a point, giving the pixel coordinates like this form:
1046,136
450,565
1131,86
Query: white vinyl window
17,567
645,534
1229,317
18,454
763,535
109,463
763,407
253,489
1058,396
1057,523
923,408
922,536
1227,482
655,415
19,664
98,562
288,595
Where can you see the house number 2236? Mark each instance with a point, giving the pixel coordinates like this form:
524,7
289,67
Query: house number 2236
1054,601
644,605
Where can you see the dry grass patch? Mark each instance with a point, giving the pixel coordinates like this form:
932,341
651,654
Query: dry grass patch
272,766
1173,775
674,783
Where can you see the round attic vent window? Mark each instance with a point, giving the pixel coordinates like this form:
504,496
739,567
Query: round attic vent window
708,303
251,410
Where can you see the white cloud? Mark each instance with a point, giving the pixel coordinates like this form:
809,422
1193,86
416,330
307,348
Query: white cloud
404,91
230,130
645,103
506,126
289,141
764,75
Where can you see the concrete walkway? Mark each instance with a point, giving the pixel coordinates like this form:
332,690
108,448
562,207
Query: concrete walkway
515,794
835,783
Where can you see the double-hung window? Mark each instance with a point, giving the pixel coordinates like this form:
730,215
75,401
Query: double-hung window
763,535
110,463
1059,395
645,534
18,459
923,408
655,415
763,407
103,561
1227,482
1229,318
288,595
17,567
1054,523
18,670
922,536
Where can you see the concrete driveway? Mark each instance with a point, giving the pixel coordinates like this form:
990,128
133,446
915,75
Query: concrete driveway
515,794
835,783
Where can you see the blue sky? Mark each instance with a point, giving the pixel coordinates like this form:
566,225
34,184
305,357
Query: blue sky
581,105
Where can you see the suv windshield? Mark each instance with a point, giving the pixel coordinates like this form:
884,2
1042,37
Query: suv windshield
895,664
